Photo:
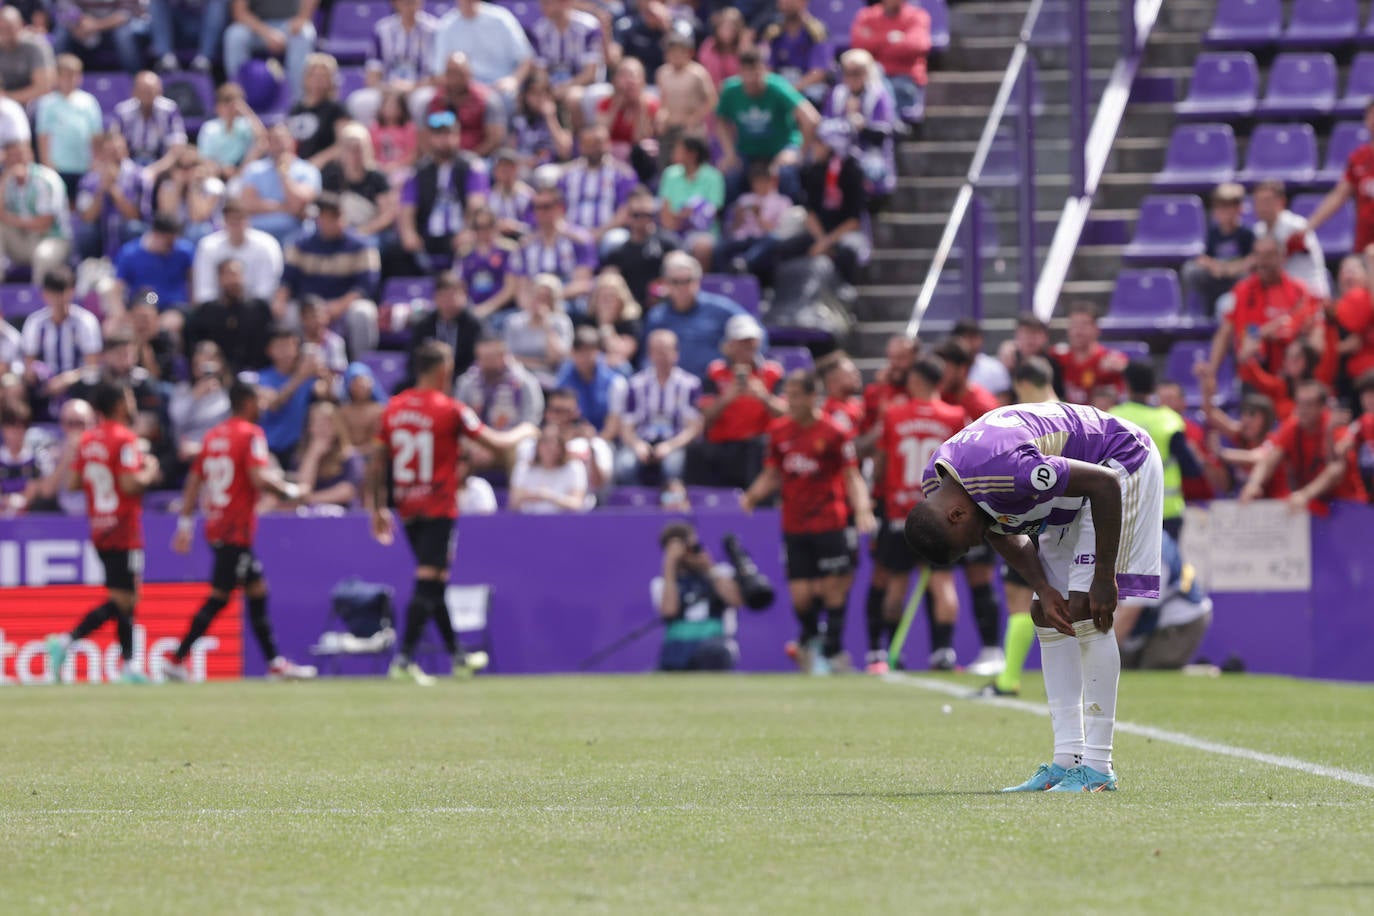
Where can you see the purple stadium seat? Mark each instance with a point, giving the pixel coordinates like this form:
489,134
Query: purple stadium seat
351,79
1133,349
1178,367
1337,235
526,12
1200,157
1321,24
1224,86
408,290
194,94
631,498
19,301
792,358
939,23
712,498
1245,24
1171,228
350,29
1300,86
109,89
1346,137
1285,151
389,368
742,289
1359,87
1144,301
837,16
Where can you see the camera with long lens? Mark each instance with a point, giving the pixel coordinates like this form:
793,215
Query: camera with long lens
754,586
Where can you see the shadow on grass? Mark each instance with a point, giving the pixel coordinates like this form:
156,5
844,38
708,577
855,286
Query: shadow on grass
931,793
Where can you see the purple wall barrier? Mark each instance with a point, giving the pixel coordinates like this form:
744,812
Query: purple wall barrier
565,586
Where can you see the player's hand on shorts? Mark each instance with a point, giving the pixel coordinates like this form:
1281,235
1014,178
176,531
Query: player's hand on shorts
1056,608
865,522
181,541
382,528
1102,599
745,502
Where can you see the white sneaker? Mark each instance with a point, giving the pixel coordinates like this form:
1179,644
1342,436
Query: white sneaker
201,64
283,670
989,662
410,671
168,63
171,671
943,660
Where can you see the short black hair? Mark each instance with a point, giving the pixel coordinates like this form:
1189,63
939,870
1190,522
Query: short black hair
1365,382
1034,370
806,378
927,537
750,57
562,394
278,331
448,279
677,531
15,414
1032,321
930,368
1140,377
1083,307
954,353
697,147
107,396
430,355
59,279
1259,403
586,338
967,327
1311,357
241,394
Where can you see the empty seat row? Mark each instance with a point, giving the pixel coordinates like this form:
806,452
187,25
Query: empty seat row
1201,156
1225,86
1313,24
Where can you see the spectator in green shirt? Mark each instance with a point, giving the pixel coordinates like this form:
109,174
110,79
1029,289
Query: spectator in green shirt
68,120
693,192
762,117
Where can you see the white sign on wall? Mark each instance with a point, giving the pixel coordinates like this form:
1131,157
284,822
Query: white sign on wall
1263,546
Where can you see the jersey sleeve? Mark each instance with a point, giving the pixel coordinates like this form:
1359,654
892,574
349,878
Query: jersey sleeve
1285,437
469,424
130,459
258,454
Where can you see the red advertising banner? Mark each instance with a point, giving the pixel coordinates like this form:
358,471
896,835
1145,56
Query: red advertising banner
29,615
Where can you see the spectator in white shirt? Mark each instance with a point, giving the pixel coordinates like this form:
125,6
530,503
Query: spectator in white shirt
493,40
258,252
554,482
475,496
1304,260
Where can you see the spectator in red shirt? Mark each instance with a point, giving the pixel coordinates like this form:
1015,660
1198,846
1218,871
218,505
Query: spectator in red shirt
1271,307
737,404
956,388
897,34
1084,362
1312,452
1358,181
1247,437
1361,440
1300,361
480,114
1213,479
1350,324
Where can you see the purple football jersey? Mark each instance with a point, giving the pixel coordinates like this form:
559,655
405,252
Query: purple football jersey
1014,460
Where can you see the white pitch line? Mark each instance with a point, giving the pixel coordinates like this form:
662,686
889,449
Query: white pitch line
1149,731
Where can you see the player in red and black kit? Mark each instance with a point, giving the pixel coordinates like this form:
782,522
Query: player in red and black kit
843,406
888,388
114,472
911,431
814,463
980,564
232,468
1084,364
418,446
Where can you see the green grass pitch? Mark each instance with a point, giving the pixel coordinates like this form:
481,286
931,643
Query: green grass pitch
670,795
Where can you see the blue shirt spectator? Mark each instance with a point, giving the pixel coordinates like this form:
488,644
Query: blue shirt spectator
586,375
290,383
697,318
264,192
159,260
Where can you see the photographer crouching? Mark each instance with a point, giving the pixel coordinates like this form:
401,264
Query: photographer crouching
696,598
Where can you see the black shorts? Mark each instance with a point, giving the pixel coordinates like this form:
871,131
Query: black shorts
982,555
892,551
1011,577
235,565
123,569
816,556
431,540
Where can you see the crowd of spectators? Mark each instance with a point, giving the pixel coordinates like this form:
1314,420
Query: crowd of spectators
564,184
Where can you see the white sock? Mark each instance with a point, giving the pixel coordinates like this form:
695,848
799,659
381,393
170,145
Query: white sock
1101,665
1062,666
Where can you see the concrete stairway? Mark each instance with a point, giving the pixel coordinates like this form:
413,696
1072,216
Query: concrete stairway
933,166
